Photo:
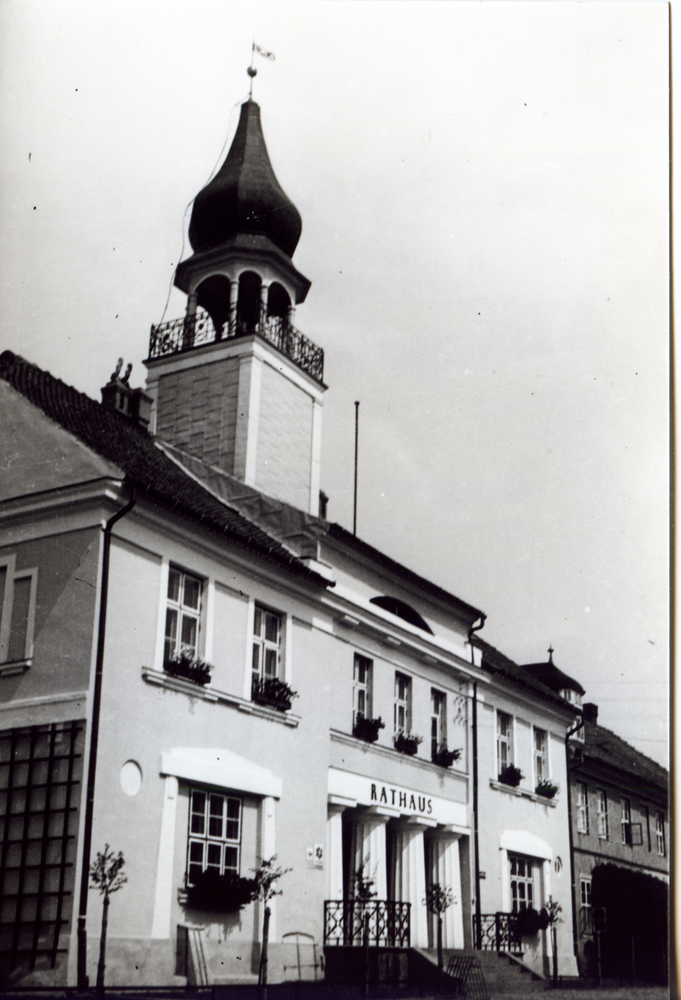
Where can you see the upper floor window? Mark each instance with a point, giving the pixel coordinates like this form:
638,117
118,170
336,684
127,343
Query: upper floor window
645,814
582,808
626,821
361,687
522,883
504,741
182,614
438,720
17,611
267,635
214,833
659,833
541,763
602,814
572,696
585,923
402,704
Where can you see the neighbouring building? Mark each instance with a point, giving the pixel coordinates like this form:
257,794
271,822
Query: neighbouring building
201,670
620,835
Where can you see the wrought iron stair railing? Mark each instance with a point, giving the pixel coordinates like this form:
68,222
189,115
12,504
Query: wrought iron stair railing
387,922
500,932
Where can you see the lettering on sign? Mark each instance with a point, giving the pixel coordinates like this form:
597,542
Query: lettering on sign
401,800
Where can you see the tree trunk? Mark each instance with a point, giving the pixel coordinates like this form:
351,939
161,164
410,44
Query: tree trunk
102,949
440,962
262,977
554,943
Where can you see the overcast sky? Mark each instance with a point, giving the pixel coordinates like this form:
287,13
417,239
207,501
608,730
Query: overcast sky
484,193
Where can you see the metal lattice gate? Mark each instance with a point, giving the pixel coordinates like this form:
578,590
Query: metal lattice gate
40,787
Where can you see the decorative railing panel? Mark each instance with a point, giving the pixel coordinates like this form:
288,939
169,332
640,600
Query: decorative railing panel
500,932
185,334
388,923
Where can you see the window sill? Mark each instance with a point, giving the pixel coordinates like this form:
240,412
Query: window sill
164,680
522,793
354,741
15,667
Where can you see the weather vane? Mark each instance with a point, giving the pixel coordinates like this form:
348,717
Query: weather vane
252,71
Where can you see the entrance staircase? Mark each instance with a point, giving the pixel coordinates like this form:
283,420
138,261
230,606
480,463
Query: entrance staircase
504,974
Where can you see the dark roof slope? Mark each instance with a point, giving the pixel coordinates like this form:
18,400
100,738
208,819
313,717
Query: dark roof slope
496,663
363,548
549,674
604,746
115,438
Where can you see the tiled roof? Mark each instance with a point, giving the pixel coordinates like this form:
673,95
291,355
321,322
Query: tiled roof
604,746
114,437
496,663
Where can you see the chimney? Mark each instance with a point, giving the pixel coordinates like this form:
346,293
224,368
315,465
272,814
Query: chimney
590,712
117,395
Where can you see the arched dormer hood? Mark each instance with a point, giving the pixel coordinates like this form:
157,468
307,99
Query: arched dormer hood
245,195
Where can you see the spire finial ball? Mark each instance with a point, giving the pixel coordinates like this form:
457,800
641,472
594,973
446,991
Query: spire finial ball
252,71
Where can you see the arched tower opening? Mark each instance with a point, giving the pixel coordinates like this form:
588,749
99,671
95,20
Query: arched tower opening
213,296
248,303
278,301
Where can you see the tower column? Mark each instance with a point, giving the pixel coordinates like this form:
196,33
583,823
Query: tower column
190,319
233,299
264,292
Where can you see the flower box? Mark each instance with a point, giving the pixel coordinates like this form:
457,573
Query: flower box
529,922
546,788
511,775
408,744
367,729
188,668
273,693
218,893
444,757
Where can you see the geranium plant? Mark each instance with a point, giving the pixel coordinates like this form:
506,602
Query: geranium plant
367,729
511,775
445,757
546,788
407,743
189,667
272,692
220,893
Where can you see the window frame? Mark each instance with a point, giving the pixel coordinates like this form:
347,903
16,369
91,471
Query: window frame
402,703
521,880
582,807
646,812
183,612
660,834
264,645
540,754
7,603
222,842
625,821
438,720
585,905
362,688
504,740
602,813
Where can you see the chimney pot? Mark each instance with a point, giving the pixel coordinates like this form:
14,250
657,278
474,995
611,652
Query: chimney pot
590,712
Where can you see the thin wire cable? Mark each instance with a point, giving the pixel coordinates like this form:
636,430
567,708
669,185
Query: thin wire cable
189,205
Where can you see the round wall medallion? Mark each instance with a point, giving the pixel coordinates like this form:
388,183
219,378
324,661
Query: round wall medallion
558,865
131,777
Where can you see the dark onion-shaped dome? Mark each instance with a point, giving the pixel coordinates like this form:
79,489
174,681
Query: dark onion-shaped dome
245,196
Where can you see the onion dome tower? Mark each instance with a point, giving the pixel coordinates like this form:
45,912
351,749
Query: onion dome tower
233,382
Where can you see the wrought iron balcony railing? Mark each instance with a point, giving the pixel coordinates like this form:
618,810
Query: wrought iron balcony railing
500,932
185,334
387,923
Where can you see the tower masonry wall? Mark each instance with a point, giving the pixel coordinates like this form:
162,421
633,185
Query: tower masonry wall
284,455
197,411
